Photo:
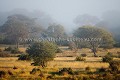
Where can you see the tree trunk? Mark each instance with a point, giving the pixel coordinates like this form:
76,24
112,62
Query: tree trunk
17,45
95,54
94,51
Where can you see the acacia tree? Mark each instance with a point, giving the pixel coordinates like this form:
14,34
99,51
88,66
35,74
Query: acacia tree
93,33
42,52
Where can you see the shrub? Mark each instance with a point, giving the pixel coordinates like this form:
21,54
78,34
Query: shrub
41,75
12,50
15,67
10,73
79,58
35,70
8,49
24,57
108,76
83,55
42,52
110,54
102,69
65,71
2,74
15,50
107,58
88,68
114,65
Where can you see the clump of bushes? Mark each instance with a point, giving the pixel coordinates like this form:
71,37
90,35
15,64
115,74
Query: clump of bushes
79,58
15,67
35,70
5,74
8,49
83,55
24,57
102,69
88,68
107,58
12,50
2,74
114,66
65,71
10,72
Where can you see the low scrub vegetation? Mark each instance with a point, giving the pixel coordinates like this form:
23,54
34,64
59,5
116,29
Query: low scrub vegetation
12,50
24,57
107,58
79,58
66,71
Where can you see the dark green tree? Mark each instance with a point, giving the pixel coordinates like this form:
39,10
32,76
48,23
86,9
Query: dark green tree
94,33
42,52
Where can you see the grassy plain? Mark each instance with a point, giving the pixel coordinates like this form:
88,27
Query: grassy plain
62,60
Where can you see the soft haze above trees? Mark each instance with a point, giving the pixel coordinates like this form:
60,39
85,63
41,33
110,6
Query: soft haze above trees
86,19
40,17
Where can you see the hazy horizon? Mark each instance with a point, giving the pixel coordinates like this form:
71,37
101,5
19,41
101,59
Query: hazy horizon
63,11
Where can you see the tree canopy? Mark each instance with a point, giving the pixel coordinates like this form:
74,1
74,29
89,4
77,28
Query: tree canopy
42,52
95,33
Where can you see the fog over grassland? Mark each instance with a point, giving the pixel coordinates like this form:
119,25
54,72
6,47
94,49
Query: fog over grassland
69,13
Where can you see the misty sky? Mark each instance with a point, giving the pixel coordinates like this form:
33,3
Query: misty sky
63,11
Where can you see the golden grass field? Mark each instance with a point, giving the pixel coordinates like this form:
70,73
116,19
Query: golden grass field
7,63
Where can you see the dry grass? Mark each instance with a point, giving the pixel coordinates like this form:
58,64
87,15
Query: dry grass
77,64
60,62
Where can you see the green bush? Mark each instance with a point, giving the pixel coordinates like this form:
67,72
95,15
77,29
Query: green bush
107,58
24,57
42,52
79,58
